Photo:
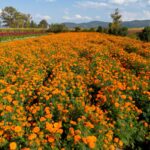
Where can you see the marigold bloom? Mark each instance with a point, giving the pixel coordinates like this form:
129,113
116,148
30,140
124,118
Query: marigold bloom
51,139
77,138
36,129
13,146
120,143
32,136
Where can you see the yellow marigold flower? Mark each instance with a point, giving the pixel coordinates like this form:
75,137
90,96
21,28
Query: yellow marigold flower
112,147
13,146
120,143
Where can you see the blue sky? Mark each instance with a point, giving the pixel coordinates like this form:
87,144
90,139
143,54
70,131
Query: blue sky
80,10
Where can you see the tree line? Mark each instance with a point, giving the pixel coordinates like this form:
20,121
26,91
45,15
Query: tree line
12,18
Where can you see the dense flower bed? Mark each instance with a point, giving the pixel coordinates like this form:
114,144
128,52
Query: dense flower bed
74,91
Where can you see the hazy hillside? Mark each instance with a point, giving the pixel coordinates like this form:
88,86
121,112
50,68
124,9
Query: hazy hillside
130,24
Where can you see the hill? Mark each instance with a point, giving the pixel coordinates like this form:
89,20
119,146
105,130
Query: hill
91,24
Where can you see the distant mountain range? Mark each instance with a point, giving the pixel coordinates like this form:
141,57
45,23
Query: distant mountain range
93,24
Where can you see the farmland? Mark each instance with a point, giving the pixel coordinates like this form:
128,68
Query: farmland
74,91
9,34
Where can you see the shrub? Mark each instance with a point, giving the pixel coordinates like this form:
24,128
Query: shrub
56,28
99,29
123,31
77,29
130,49
145,34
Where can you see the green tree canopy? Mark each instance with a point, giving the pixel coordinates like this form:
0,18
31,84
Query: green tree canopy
56,28
14,19
43,24
116,27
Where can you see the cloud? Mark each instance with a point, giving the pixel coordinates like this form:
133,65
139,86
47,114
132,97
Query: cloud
46,17
121,2
77,17
146,14
91,4
143,15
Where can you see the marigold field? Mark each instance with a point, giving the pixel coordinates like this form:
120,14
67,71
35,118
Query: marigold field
76,91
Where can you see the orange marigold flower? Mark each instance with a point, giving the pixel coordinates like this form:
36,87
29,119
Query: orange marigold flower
13,146
32,136
77,138
112,147
116,104
42,119
51,139
73,122
116,140
17,129
123,96
36,129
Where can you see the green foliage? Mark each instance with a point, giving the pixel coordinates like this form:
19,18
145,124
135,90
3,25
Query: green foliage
145,34
99,29
130,49
33,24
77,29
115,27
91,30
43,24
15,19
56,28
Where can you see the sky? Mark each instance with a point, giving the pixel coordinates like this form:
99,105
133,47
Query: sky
58,11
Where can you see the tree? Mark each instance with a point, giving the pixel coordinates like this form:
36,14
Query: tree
99,29
33,24
56,28
145,34
116,27
8,16
14,19
43,24
77,29
116,17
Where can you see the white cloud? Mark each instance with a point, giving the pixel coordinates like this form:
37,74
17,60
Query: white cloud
0,11
143,15
77,17
91,4
39,16
146,14
128,16
67,18
120,2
